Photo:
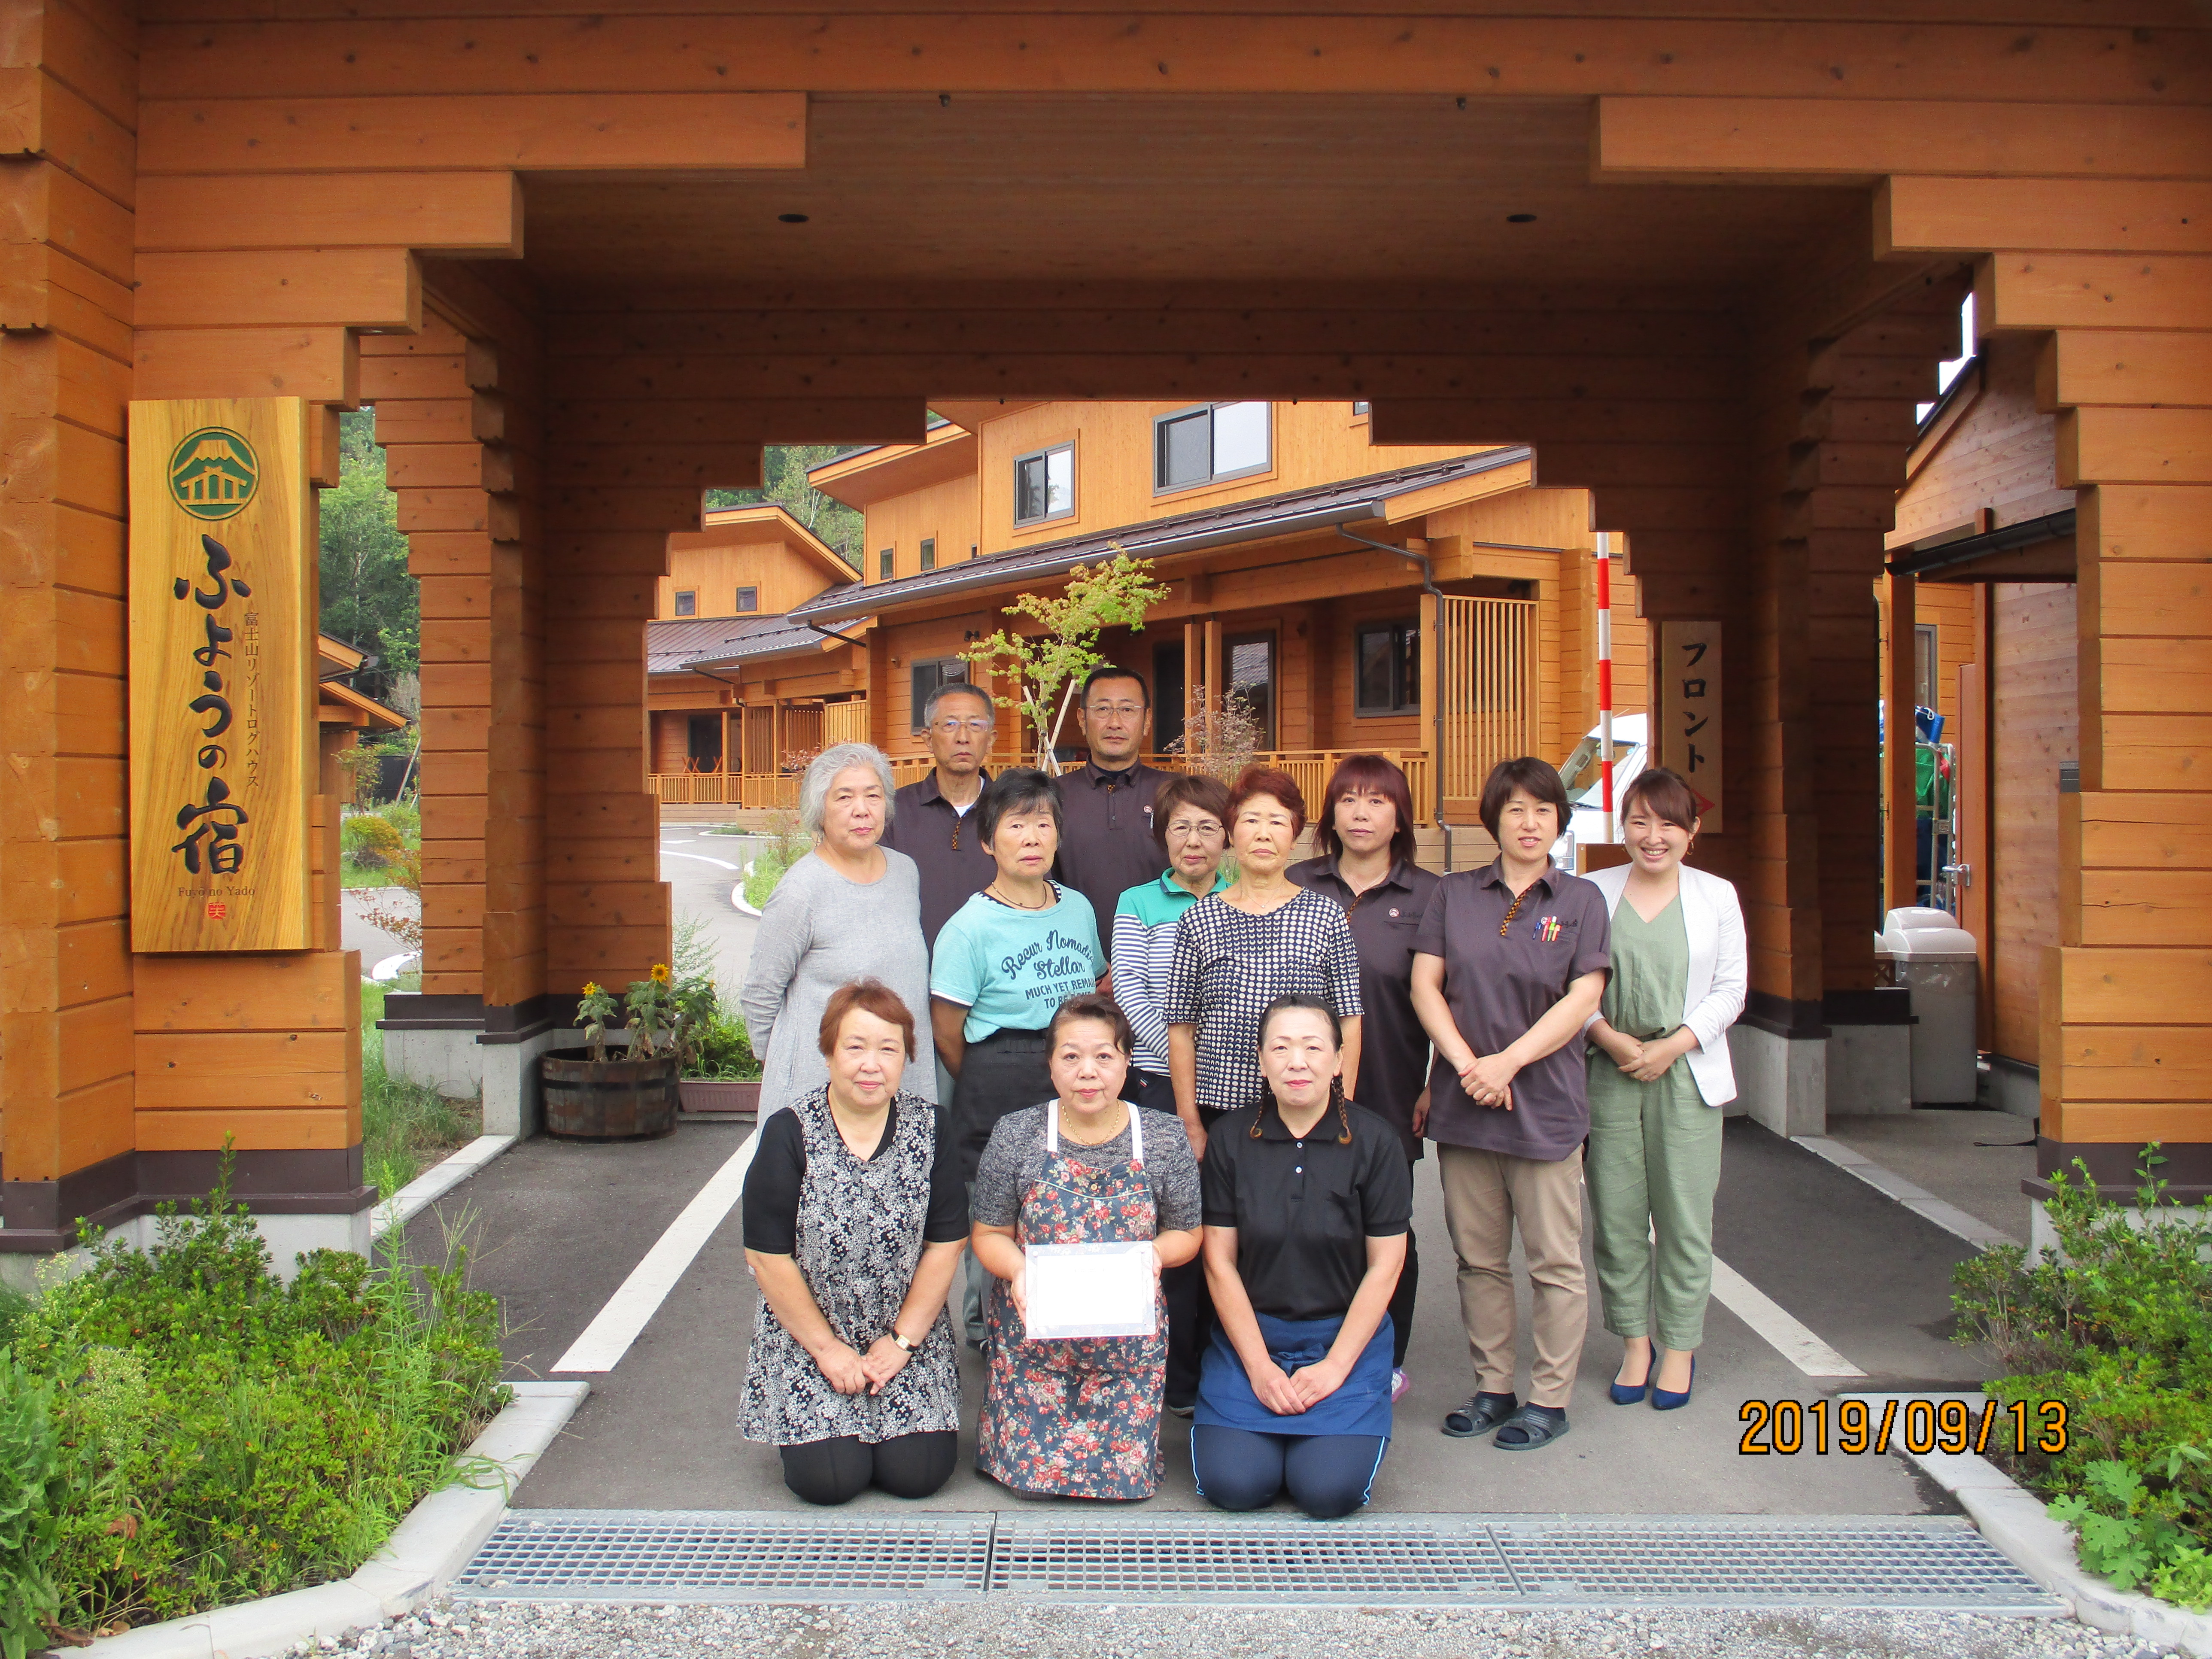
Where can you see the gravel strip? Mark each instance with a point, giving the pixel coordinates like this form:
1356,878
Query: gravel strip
1013,1630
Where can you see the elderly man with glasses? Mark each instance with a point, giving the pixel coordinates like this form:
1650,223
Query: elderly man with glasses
1106,843
934,822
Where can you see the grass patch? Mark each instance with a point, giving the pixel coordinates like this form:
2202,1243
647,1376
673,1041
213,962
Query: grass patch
767,870
405,1127
184,1430
355,875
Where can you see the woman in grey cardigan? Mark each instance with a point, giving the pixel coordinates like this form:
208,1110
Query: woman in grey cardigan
848,910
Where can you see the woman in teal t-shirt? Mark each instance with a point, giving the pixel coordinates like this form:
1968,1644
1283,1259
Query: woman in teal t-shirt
1006,962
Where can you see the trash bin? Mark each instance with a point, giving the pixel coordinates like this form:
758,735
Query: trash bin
1934,958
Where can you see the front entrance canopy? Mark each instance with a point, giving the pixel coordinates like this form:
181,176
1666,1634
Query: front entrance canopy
1703,266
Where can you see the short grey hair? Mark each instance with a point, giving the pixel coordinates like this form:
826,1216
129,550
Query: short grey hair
957,688
822,771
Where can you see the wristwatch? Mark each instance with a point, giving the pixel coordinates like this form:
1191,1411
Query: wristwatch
904,1346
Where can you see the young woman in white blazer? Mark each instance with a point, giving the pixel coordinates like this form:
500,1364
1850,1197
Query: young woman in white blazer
1659,1073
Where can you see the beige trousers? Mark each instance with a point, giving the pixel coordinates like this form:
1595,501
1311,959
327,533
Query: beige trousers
1484,1194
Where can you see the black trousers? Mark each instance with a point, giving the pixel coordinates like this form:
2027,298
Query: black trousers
1190,1304
838,1471
1007,1072
1327,1475
1401,1299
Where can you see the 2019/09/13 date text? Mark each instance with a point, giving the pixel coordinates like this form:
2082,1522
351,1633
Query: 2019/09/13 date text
1854,1427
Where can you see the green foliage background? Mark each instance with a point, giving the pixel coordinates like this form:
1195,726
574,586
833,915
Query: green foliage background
783,475
369,600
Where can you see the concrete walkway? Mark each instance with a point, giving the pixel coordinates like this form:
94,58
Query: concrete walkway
560,1226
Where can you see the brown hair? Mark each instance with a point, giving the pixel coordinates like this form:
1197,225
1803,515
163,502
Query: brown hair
1190,789
1367,775
870,996
1279,786
1538,777
1666,794
1093,1005
1297,1002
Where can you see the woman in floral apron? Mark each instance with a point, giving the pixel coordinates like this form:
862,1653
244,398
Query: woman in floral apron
1079,1417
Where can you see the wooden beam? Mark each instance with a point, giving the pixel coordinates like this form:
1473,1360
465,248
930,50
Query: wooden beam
1805,138
455,213
322,365
2088,290
2124,367
2133,446
356,288
539,132
1980,216
749,421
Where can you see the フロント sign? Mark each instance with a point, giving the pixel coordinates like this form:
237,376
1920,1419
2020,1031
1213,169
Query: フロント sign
223,677
1687,678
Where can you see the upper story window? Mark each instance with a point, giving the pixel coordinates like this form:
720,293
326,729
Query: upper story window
930,673
887,564
687,603
1363,408
1044,484
748,599
929,552
1213,440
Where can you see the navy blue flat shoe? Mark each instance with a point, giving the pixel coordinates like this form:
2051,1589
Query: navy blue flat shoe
1665,1399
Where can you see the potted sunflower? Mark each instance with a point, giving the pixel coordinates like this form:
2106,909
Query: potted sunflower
592,1097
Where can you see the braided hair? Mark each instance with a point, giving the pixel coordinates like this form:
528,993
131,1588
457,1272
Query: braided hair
1293,1002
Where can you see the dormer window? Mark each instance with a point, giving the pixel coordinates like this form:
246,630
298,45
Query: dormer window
1204,445
1044,485
687,603
748,599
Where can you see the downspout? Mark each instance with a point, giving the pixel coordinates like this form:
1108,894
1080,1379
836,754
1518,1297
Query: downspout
1428,586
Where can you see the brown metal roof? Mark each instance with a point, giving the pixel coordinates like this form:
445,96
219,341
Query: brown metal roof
1346,502
670,644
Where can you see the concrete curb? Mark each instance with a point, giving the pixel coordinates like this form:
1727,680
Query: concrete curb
738,892
435,1183
2013,1519
1919,1199
424,1554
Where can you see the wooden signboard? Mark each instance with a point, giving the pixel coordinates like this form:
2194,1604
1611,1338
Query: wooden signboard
222,675
1686,680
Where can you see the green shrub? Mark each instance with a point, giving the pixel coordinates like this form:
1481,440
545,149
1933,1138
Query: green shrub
2117,1324
405,816
760,881
233,1436
369,839
724,1051
31,1503
405,1127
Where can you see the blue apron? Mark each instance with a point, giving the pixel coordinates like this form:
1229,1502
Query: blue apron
1362,1406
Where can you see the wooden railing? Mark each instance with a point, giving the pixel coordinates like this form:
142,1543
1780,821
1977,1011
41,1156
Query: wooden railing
845,722
1486,681
1309,769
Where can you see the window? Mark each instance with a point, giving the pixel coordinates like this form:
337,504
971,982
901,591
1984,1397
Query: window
1363,408
687,603
929,552
748,599
1214,441
1924,661
930,674
1387,660
1044,485
887,564
1252,679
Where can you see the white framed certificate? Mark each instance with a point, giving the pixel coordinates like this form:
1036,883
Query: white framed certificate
1090,1290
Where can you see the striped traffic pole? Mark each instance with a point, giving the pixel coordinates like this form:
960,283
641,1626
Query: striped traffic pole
1603,554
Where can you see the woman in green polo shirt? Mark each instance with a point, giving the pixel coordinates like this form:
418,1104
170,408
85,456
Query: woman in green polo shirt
1007,959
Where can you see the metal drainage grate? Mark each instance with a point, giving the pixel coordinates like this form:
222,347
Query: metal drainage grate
1197,1558
734,1556
1435,1560
1902,1561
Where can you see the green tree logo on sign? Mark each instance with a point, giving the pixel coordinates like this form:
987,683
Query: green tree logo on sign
213,473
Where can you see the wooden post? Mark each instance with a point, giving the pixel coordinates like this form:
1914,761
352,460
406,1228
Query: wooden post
1214,685
1901,740
1428,810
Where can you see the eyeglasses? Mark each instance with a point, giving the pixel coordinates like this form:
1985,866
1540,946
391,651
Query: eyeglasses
953,728
1127,711
1204,829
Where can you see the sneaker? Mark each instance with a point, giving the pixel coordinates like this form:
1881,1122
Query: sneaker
1399,1383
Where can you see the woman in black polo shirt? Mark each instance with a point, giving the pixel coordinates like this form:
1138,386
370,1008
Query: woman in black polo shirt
1307,1202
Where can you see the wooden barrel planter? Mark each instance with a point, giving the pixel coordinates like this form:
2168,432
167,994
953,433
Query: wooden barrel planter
608,1099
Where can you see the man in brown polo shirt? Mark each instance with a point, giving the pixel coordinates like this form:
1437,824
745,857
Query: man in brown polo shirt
1510,963
934,822
1106,844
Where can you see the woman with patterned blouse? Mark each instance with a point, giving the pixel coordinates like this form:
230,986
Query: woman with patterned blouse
852,1226
1261,937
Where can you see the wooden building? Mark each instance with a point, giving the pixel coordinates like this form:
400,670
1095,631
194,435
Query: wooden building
734,687
1414,599
1703,265
1983,568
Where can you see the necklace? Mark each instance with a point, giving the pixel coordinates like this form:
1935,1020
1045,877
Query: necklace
1068,1133
1016,904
